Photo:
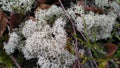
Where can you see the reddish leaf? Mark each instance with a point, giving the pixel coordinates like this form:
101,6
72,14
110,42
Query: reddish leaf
111,48
94,9
42,6
14,20
90,8
3,22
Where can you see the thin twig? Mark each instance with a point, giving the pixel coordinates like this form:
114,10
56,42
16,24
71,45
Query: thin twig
15,61
76,48
90,54
73,27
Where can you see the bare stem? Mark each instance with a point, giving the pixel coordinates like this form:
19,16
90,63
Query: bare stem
76,42
73,27
15,61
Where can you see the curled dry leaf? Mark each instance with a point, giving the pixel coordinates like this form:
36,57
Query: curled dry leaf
94,9
14,20
90,8
3,22
111,49
42,5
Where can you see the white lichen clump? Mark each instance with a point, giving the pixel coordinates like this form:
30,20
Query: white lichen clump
18,6
13,42
48,45
46,14
75,11
46,42
46,37
108,6
29,28
97,26
116,8
102,3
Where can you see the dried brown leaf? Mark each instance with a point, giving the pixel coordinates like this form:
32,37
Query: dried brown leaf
94,9
3,22
111,49
90,8
14,20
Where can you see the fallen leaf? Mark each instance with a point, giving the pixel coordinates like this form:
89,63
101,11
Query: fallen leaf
3,22
90,8
14,20
111,48
44,6
94,9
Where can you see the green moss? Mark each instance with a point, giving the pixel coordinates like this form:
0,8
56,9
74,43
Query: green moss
5,61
